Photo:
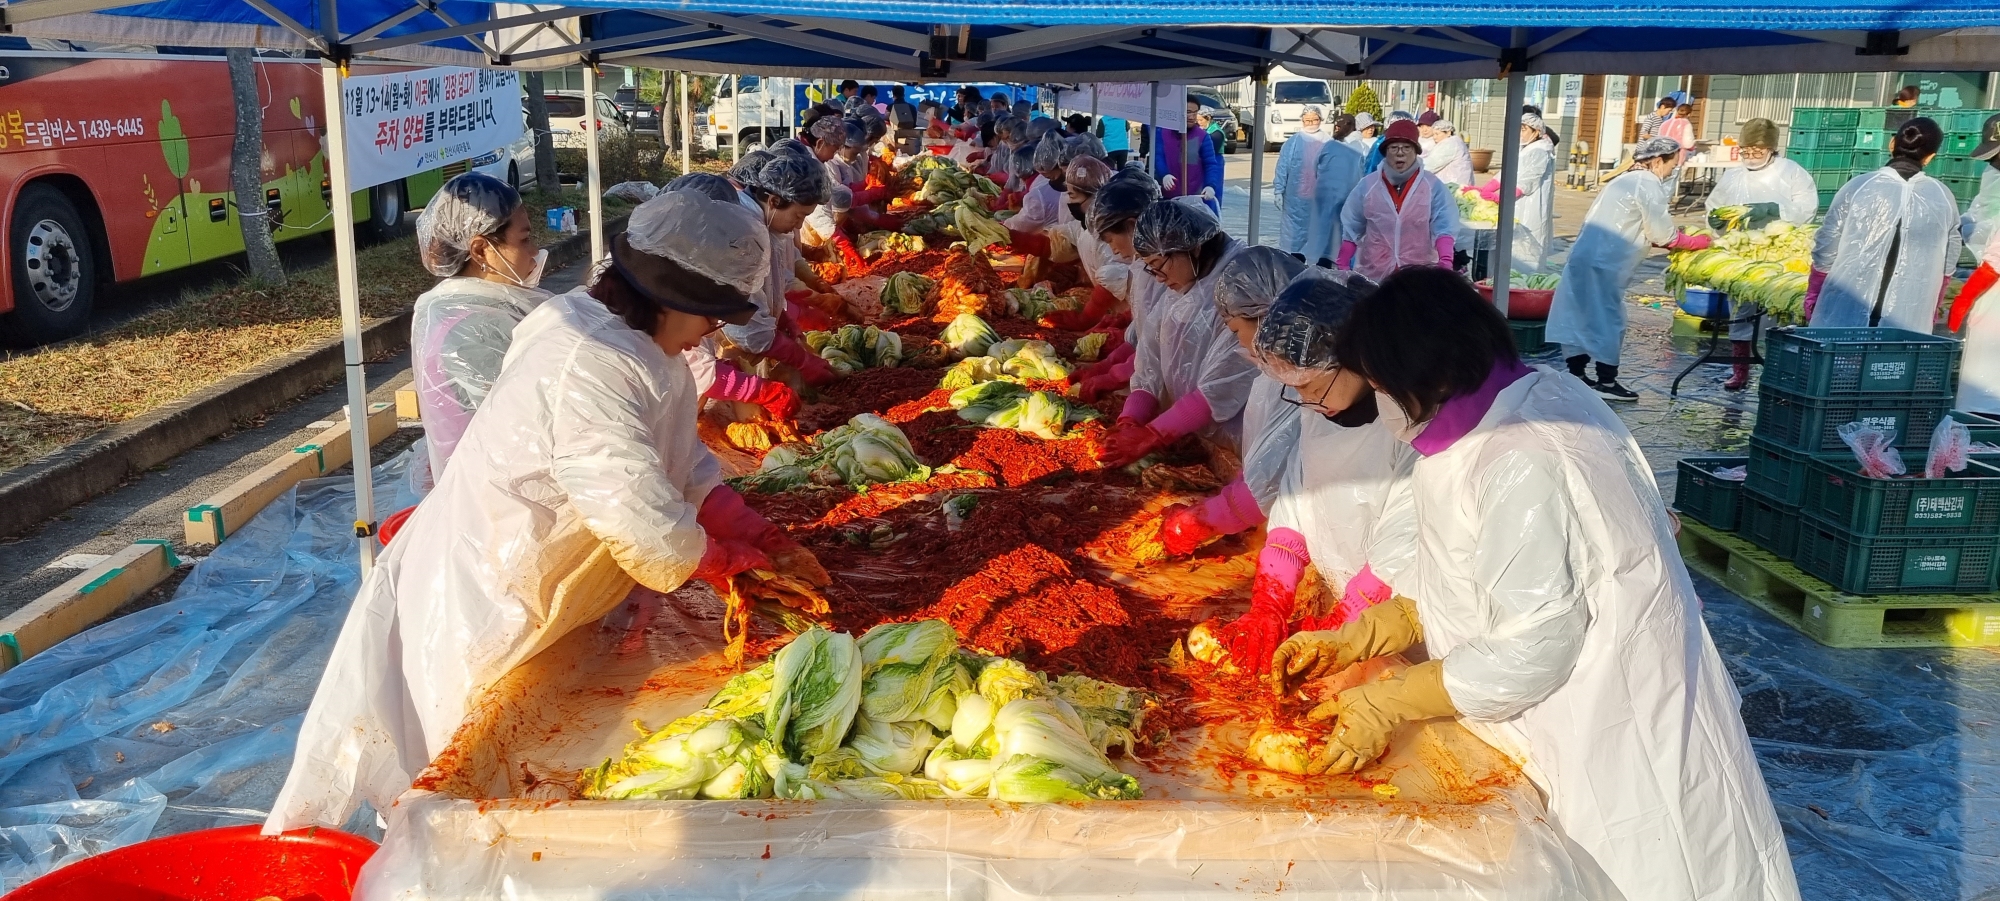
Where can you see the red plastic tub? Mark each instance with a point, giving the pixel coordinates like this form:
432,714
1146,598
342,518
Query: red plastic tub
1523,303
230,864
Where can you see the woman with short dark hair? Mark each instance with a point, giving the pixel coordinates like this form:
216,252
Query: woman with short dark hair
1558,620
1889,243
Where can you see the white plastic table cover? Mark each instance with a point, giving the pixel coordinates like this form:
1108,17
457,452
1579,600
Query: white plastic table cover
493,817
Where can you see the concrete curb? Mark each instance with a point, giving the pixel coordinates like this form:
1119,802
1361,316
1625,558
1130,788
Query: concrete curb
105,459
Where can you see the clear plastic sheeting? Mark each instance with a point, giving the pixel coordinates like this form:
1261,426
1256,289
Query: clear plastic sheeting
497,815
182,716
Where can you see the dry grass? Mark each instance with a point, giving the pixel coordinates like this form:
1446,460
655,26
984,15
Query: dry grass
54,396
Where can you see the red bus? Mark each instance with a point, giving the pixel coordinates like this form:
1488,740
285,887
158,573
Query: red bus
115,166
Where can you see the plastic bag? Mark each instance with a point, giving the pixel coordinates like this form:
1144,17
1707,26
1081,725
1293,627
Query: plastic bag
1732,473
1951,444
635,191
1875,448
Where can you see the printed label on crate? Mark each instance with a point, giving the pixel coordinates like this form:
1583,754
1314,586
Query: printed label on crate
1989,626
1940,508
1888,372
1930,568
1891,422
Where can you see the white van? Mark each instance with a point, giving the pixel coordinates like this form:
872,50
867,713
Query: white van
1290,95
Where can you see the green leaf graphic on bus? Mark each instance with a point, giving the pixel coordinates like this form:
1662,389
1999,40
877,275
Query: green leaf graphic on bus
173,143
295,109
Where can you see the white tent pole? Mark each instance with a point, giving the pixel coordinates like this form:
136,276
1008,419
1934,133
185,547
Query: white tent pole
1510,164
331,82
593,182
1152,117
735,118
687,127
1257,151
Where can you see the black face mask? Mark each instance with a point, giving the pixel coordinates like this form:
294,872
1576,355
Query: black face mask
1076,211
1057,183
1361,413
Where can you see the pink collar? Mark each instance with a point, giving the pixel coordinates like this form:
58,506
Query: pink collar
1461,414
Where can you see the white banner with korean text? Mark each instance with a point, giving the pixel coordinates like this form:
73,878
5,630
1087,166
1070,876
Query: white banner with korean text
404,123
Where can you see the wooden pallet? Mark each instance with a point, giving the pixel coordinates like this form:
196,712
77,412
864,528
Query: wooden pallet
1833,618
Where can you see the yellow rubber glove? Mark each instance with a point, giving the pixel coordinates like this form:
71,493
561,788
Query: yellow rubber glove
1387,628
1364,716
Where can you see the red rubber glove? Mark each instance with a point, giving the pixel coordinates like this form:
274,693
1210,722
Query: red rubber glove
1982,279
866,196
849,257
779,401
1128,442
809,318
1254,636
722,559
1100,303
1099,386
1029,243
1814,283
787,350
725,516
392,524
1182,530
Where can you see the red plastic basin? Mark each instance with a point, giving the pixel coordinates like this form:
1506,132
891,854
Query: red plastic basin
229,864
1523,303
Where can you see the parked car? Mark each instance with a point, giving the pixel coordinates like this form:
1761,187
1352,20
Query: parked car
1220,113
566,115
640,115
514,163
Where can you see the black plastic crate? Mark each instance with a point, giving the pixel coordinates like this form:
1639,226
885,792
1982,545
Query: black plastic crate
1778,473
1529,336
1706,497
1769,524
1837,362
1895,564
1810,424
1959,504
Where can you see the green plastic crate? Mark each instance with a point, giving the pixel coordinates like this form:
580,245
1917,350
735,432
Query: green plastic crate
1910,564
1778,473
1769,524
1963,187
1708,498
1959,504
1963,120
1812,117
1984,429
1836,362
1840,139
1960,143
1825,160
1831,180
1529,335
1876,139
1949,167
1870,160
1826,198
1810,424
1881,118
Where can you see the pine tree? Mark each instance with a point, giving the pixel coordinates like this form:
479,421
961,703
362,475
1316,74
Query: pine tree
1363,100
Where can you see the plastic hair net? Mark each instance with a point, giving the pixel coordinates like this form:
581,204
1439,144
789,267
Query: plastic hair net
1049,153
1087,174
796,148
1401,116
1021,164
875,126
1535,122
829,128
1314,109
1296,338
1080,146
467,207
745,170
842,199
1249,282
718,239
1169,227
1444,125
1039,128
1121,200
1654,148
795,179
715,186
855,133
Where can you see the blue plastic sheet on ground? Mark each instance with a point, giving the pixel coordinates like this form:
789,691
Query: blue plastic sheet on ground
182,716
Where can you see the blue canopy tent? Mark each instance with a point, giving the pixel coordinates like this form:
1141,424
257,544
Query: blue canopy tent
1046,41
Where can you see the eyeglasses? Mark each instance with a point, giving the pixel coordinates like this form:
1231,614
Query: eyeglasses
1158,270
1754,153
1298,400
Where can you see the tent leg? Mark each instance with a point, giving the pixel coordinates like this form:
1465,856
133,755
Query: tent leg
735,118
1510,165
1152,120
687,128
593,180
331,83
1257,152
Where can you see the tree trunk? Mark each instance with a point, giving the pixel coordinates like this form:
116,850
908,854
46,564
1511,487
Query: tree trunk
545,143
246,171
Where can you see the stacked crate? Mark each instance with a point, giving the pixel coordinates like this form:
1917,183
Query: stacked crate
1835,144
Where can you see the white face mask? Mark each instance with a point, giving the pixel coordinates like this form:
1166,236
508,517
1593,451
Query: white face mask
1391,416
1310,127
1757,165
534,276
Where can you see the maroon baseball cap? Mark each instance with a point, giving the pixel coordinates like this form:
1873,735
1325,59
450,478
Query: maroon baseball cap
1402,130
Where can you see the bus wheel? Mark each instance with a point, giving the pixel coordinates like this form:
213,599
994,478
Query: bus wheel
385,211
55,271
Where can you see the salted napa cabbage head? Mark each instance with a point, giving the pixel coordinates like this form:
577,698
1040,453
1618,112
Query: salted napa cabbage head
968,335
1041,742
892,748
1004,680
902,661
815,692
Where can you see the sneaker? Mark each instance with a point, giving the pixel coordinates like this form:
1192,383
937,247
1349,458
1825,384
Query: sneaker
1614,391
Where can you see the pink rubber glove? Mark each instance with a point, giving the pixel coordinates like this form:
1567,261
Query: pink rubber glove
1490,191
1814,282
1346,258
787,350
1444,249
1185,417
1362,592
1685,241
1252,637
732,383
1139,407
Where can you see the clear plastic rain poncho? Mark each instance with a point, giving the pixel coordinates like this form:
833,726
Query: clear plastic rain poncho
1181,346
1042,204
1535,208
1982,219
460,329
1244,289
1296,180
1872,216
791,178
1337,172
1628,217
1548,581
1979,373
1781,181
715,186
581,477
1346,491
